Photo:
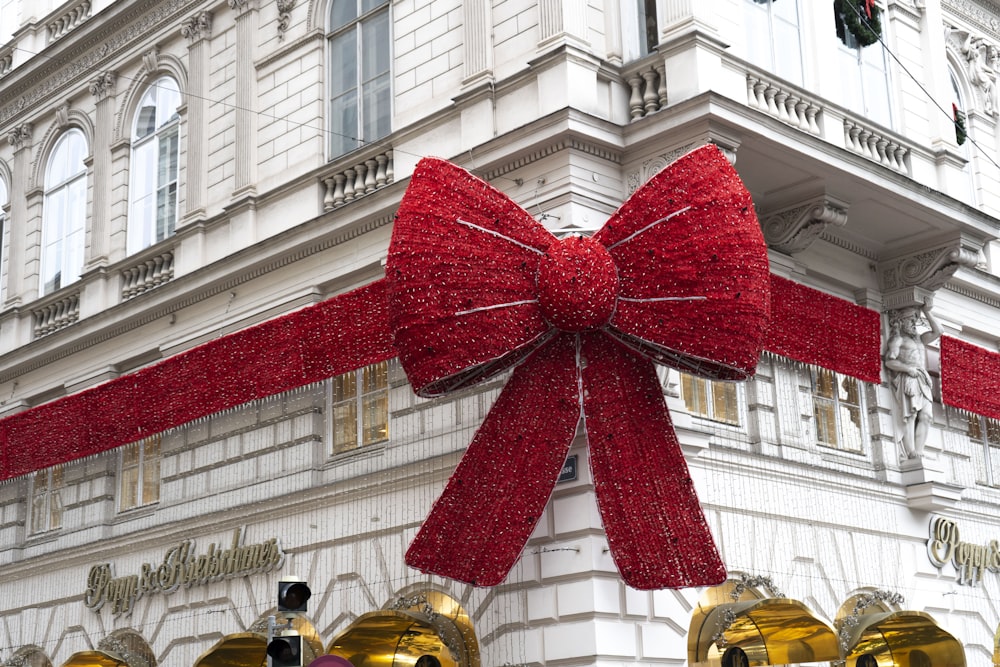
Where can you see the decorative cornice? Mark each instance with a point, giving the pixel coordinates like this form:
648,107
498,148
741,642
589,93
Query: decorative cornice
20,136
87,55
104,85
552,149
797,227
197,27
977,13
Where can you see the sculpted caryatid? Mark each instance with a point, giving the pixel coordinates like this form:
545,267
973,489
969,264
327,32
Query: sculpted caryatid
906,361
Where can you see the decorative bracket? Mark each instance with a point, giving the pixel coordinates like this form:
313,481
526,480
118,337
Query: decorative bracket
907,280
795,228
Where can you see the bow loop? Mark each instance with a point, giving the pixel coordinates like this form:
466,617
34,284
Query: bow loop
693,269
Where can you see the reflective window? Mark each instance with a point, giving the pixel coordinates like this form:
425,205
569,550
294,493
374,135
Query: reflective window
864,85
64,213
139,475
717,401
838,409
359,51
154,166
46,499
773,37
3,228
359,410
986,433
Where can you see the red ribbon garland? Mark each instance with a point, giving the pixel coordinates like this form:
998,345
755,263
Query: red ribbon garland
678,275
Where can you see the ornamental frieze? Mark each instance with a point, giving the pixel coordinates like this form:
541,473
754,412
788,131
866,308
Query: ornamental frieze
130,28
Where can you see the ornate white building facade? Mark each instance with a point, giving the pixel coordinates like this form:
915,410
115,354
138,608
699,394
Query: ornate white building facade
175,171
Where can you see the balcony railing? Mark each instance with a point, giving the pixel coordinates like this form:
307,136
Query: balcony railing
783,103
147,274
364,177
56,314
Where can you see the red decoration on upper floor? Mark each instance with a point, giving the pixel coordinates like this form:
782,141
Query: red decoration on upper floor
818,328
970,377
678,275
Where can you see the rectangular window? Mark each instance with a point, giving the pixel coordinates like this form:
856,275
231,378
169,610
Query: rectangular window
773,37
864,81
139,480
359,409
717,401
837,409
987,432
46,500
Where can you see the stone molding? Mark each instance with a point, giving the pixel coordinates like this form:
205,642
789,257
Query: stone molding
795,228
103,85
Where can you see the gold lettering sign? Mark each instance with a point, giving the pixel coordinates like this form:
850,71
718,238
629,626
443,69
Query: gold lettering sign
181,566
970,560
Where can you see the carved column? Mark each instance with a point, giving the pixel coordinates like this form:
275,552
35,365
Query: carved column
245,169
20,139
478,39
197,30
103,88
562,19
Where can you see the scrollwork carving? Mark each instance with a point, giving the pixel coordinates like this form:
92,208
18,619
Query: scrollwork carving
103,85
198,26
796,228
20,136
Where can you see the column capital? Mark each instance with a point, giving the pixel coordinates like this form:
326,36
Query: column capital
20,136
104,85
197,27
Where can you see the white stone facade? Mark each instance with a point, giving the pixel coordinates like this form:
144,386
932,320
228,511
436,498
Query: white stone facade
554,103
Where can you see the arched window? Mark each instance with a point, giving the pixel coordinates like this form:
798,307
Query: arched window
3,228
360,99
155,154
64,213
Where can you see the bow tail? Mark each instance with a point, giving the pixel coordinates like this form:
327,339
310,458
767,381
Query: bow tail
481,522
656,529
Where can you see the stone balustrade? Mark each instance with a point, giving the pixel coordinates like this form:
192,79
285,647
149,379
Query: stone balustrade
65,23
647,87
368,175
147,274
875,146
56,314
786,105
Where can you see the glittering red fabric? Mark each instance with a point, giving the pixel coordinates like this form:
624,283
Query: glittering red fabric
678,275
970,377
309,345
818,328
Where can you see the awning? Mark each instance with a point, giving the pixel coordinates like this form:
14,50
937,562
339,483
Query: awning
397,638
904,639
95,659
243,649
771,631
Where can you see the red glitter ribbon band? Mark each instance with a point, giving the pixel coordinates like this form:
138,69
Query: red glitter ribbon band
970,377
312,344
818,328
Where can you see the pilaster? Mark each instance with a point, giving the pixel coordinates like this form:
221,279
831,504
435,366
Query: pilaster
478,40
20,138
102,88
198,30
247,29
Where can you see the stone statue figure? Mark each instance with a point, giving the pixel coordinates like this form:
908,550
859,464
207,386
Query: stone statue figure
906,361
981,57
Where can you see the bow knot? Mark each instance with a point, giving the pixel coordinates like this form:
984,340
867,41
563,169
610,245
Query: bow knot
477,286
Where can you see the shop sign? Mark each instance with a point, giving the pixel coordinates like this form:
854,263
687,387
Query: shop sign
181,566
970,560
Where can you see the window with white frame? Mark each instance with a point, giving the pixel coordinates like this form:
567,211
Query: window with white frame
838,409
154,165
3,228
46,499
359,408
358,39
139,473
863,83
774,37
64,213
718,401
986,433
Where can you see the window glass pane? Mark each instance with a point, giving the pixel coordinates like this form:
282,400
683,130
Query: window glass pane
368,5
168,98
342,12
725,407
826,421
376,424
850,428
128,495
345,426
151,481
376,108
375,46
343,63
695,393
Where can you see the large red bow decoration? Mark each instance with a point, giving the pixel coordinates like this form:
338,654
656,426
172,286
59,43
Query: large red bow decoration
678,275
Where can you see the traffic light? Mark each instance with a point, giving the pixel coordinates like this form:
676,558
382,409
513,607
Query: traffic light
285,651
293,595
